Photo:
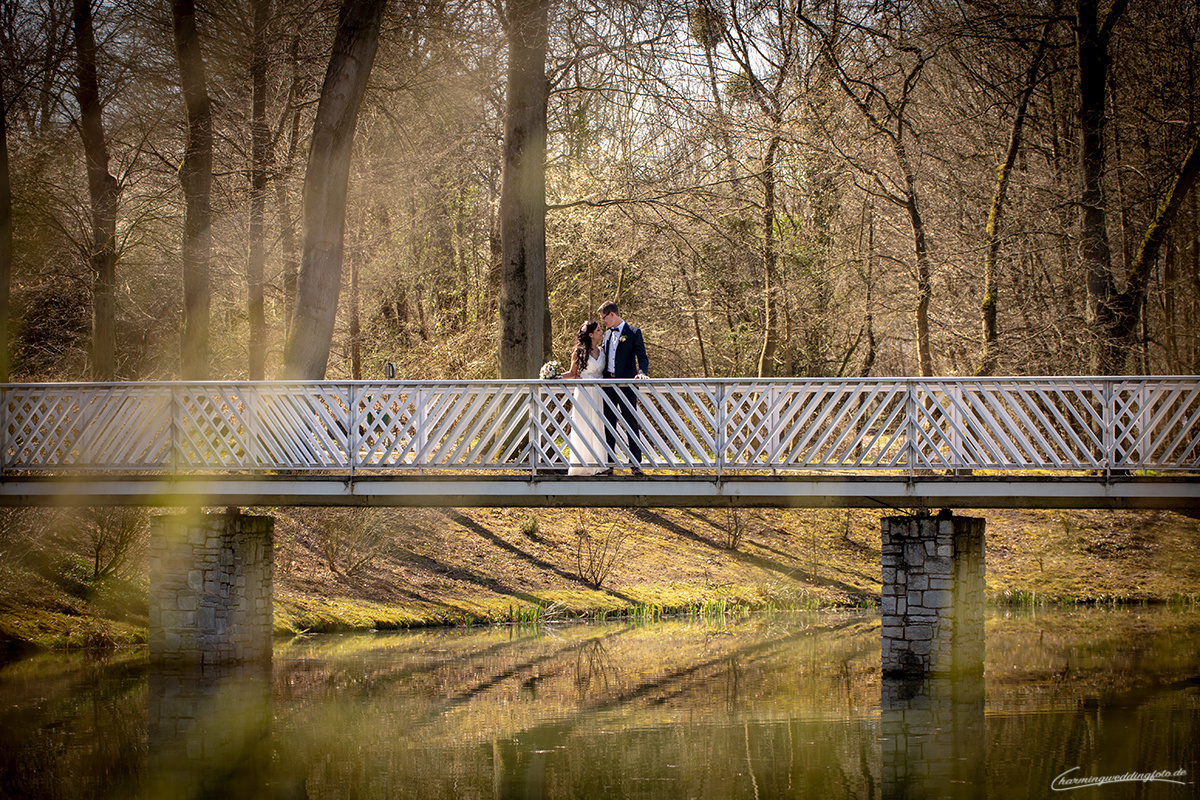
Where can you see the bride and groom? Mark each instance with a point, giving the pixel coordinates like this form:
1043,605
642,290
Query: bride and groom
611,348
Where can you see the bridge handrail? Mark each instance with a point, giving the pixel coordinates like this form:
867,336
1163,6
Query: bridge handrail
727,424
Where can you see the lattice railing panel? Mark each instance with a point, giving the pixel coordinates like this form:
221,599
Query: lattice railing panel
1156,424
1077,424
1009,425
816,424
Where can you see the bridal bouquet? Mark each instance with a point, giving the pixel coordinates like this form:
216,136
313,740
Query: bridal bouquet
551,370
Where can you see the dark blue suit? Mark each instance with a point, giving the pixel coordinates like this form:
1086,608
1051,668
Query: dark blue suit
629,359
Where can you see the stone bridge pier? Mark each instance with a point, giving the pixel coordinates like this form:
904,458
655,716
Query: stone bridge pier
932,600
210,589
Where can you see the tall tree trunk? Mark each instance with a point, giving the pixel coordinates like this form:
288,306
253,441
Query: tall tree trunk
921,249
287,224
103,190
523,303
1092,38
195,175
319,280
6,235
991,289
766,358
259,157
356,256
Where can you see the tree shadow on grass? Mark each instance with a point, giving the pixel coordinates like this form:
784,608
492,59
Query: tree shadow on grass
790,573
541,564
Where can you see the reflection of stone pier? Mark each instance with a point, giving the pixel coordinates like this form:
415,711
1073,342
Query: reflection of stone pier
932,738
210,589
932,602
210,731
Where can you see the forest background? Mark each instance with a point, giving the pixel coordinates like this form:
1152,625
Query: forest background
259,190
766,188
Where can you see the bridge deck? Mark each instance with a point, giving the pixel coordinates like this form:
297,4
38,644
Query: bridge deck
904,443
1180,493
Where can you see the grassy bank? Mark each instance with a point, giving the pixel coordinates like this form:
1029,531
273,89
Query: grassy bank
398,568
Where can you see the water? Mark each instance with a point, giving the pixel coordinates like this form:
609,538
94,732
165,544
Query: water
764,707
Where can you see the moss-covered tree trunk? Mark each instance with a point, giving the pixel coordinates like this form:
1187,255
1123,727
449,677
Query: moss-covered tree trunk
991,283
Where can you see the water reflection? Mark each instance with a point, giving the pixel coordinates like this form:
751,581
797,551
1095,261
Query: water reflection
773,706
210,731
932,741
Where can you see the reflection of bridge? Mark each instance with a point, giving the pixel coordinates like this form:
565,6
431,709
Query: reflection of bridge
995,442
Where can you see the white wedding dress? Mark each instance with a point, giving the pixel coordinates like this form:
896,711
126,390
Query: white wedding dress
587,455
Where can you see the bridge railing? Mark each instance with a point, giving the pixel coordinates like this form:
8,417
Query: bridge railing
1079,424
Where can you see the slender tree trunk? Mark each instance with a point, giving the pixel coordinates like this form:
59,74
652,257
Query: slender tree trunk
196,177
355,324
766,358
103,190
259,157
523,302
287,224
1103,312
319,280
991,290
921,248
6,235
695,303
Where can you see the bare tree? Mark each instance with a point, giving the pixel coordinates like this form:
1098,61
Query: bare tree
524,315
991,290
104,191
764,84
1093,32
195,174
259,157
6,234
884,101
319,281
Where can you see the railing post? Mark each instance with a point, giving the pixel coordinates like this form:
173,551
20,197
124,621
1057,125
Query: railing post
910,409
252,426
352,433
176,404
722,435
533,434
1110,434
4,392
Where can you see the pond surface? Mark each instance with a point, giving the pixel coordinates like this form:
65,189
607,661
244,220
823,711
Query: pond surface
759,707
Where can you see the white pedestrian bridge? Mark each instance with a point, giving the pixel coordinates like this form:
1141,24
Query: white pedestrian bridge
903,443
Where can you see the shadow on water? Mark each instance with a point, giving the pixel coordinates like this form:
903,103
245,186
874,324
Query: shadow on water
770,706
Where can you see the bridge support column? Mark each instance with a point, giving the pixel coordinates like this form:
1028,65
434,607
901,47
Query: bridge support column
210,589
932,602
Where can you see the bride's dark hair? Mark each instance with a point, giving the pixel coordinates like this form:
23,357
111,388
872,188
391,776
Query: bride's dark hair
579,355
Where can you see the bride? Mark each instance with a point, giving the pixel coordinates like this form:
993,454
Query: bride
587,454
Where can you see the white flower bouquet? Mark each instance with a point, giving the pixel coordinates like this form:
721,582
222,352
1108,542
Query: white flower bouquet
550,371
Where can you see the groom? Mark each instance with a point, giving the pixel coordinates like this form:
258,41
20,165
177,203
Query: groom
624,355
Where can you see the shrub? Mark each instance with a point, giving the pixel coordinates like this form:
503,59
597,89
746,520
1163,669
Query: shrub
597,546
530,527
